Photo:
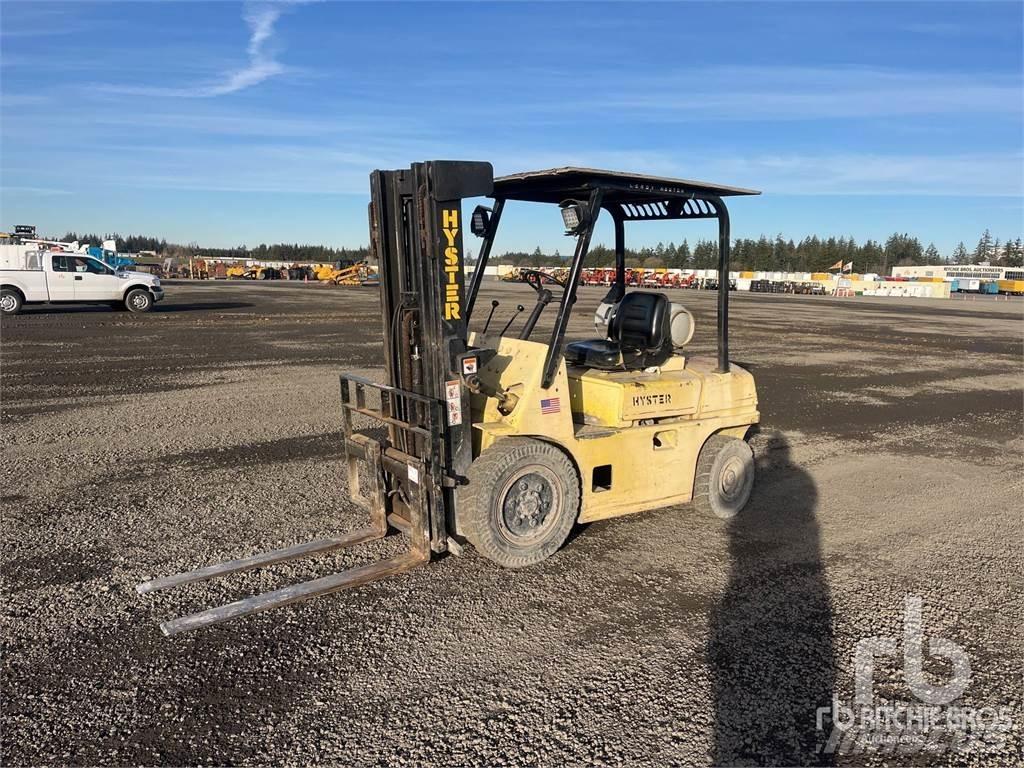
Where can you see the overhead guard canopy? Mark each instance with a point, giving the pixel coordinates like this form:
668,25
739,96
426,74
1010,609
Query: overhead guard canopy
558,184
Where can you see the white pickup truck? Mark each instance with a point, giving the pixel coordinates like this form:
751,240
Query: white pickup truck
48,277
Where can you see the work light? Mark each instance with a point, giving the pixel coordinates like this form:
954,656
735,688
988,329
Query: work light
574,216
481,220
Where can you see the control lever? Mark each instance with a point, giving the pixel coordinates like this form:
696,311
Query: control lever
519,308
543,299
494,306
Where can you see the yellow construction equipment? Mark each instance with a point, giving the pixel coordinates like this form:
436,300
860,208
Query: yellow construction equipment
350,275
512,276
344,272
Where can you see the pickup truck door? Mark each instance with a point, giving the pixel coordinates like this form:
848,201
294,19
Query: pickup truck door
95,281
60,279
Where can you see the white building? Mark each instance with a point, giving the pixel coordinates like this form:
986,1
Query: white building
950,272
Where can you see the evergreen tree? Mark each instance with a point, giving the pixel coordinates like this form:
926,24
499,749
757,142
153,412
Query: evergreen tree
683,255
763,253
903,250
960,255
705,254
982,251
1013,253
872,257
931,256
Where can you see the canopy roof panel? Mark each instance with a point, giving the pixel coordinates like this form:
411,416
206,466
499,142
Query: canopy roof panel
558,184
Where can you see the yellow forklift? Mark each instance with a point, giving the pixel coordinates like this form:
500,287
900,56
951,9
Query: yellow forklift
505,439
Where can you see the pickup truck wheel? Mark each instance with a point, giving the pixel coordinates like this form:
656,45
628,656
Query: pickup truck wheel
138,300
10,302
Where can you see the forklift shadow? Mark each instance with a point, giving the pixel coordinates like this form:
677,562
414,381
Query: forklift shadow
771,650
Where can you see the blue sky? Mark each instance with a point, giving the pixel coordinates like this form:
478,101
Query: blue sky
231,123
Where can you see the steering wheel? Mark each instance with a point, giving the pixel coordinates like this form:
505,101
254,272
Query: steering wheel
535,279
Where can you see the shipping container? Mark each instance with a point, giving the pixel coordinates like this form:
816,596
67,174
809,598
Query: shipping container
1016,287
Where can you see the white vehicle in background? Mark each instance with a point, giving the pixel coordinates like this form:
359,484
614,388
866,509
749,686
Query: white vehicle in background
47,277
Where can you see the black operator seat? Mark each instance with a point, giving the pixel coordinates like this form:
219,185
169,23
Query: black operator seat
639,336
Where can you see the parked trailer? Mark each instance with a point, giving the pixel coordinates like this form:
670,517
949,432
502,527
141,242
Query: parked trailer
1011,287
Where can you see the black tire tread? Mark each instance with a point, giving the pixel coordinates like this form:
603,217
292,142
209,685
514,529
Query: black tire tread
20,299
702,477
484,477
127,303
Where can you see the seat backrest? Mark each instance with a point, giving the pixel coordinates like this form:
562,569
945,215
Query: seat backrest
641,322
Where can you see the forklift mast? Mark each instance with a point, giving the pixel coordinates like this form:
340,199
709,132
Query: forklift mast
416,227
416,235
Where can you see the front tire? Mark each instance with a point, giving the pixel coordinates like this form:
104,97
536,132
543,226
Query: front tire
10,302
138,300
521,502
725,477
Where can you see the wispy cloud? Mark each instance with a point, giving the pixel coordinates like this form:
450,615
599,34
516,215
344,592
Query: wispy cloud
36,191
338,168
733,93
41,20
746,93
997,174
968,174
262,64
8,100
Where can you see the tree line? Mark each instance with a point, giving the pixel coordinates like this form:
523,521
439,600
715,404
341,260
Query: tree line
262,252
811,254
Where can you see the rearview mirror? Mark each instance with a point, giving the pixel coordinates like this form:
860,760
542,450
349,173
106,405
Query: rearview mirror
481,220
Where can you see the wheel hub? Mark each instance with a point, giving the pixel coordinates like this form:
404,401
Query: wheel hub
527,505
731,478
7,303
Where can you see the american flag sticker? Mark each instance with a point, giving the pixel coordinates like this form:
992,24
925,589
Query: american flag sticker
551,405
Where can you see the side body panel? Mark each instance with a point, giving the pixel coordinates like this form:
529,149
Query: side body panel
644,461
90,286
31,282
59,282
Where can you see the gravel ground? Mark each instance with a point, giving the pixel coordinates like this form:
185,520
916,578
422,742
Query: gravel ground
137,446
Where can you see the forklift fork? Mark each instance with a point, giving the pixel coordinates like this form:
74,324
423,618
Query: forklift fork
394,473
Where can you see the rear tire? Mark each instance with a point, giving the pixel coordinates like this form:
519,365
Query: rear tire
521,502
10,302
138,300
725,477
